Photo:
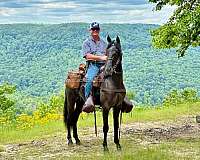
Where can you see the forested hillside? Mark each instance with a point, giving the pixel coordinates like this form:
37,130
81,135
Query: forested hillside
36,57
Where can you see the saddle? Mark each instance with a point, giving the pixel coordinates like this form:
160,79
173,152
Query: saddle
74,78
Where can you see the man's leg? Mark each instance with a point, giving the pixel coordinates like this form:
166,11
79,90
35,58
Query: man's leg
91,73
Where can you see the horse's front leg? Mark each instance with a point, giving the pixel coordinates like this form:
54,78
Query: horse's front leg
116,111
105,128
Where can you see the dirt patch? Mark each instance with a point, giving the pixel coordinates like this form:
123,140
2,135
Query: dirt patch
184,127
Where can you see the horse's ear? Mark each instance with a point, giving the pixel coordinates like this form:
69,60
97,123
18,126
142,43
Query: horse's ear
109,39
117,39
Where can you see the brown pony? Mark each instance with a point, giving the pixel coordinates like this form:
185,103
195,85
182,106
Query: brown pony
112,93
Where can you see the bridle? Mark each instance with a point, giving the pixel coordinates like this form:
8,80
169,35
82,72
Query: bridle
113,68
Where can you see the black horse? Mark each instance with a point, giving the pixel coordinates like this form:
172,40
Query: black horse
112,93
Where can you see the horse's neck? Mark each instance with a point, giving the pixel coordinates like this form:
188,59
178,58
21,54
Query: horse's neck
117,77
114,81
119,67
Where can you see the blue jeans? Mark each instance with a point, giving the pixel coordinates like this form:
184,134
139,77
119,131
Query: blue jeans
92,71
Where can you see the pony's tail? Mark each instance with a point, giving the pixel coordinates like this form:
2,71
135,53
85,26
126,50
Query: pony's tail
65,111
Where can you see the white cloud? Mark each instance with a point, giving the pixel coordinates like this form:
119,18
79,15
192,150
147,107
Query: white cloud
46,11
143,14
7,12
59,5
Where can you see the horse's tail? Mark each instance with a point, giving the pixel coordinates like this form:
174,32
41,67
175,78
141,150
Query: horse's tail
65,111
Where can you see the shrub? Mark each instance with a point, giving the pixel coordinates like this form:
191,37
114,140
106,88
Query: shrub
7,108
130,94
180,96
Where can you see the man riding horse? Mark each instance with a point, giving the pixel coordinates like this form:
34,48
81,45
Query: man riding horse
94,51
112,90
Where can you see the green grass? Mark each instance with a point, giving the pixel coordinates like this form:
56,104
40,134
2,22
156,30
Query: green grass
162,113
140,154
170,150
140,114
181,149
2,148
11,135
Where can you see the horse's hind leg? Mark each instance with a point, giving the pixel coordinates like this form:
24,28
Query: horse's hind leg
116,111
68,110
105,128
75,134
68,125
69,138
77,112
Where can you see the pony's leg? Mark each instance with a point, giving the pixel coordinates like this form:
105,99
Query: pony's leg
68,110
69,126
116,111
69,138
105,128
75,134
78,110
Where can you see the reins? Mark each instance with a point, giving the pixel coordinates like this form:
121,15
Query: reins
115,66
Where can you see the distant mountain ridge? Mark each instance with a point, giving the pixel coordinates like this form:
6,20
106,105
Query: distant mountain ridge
36,57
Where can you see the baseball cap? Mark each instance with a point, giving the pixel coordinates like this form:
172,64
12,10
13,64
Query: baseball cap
94,25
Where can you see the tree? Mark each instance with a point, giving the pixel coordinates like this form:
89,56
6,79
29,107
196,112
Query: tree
6,104
182,29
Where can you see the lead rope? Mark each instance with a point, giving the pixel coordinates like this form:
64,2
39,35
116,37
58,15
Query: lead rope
95,122
120,123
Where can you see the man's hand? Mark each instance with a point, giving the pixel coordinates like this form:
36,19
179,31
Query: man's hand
103,58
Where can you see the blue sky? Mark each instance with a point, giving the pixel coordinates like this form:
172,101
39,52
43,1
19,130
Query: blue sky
64,11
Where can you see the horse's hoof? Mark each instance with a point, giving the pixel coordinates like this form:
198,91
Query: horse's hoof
69,142
105,149
119,148
78,142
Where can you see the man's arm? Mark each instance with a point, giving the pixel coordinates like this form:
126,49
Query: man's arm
91,57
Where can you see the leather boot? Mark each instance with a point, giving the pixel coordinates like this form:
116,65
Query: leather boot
89,105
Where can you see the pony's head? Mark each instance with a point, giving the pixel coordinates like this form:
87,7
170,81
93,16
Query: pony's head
114,53
114,47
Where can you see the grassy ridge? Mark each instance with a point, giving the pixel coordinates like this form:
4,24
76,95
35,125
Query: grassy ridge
140,114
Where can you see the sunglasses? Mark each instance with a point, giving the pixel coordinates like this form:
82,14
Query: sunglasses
95,29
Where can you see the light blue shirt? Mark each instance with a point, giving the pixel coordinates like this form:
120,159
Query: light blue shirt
92,47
